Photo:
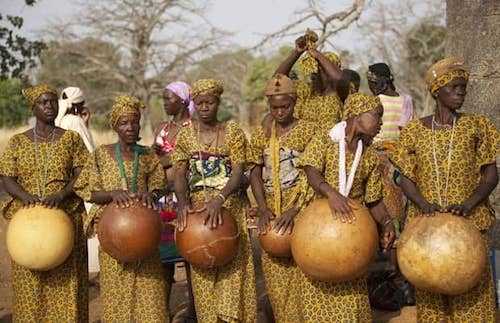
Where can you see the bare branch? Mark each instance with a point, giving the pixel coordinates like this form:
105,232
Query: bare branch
326,24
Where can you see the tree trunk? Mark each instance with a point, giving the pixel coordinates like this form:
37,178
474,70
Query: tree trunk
474,35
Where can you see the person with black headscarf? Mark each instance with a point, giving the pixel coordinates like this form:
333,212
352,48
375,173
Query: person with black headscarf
398,108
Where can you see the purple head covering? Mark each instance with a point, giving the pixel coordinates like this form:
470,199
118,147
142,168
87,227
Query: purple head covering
182,90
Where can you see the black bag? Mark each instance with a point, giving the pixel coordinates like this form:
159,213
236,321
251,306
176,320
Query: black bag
383,291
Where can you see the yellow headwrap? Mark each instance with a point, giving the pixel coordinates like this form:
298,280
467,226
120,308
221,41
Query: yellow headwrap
359,103
207,87
309,65
280,84
124,105
33,93
445,71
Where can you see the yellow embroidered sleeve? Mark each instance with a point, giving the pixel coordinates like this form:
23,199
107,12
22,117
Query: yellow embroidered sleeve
156,175
315,153
181,151
256,147
237,143
403,156
80,153
487,149
373,189
90,177
8,161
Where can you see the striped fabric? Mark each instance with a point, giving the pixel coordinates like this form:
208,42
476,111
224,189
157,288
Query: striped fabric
398,111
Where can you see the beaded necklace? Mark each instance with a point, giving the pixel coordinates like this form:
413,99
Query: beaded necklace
41,182
436,168
135,168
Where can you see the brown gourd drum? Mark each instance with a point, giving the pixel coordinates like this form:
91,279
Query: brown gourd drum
443,254
207,248
129,234
328,250
275,244
39,238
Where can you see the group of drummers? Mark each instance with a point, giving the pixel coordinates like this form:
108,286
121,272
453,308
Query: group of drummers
321,138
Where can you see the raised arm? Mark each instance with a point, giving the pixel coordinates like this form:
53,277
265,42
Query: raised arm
331,69
286,66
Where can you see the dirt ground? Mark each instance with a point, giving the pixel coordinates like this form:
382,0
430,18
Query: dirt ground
179,293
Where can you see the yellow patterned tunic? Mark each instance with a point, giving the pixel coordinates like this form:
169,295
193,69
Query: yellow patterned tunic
226,293
324,110
60,294
475,144
280,273
347,301
130,292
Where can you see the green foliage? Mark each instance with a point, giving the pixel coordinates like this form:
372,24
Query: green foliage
14,109
17,53
259,72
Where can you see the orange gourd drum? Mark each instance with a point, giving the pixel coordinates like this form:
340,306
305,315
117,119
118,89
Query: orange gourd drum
275,244
443,254
328,250
129,234
207,248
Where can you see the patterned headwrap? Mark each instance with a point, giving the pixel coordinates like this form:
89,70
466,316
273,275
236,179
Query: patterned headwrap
359,103
207,87
124,105
33,93
280,84
445,71
183,91
309,65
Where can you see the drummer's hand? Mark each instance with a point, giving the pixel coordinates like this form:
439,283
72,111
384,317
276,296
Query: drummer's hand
214,216
339,205
265,216
54,200
146,199
182,214
301,44
459,209
158,149
122,198
428,209
30,200
285,222
388,236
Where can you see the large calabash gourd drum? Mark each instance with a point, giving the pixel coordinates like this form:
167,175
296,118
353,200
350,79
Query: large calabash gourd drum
275,244
129,234
328,250
443,254
207,248
40,238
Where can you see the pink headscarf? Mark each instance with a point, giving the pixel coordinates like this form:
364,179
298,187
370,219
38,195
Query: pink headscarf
182,90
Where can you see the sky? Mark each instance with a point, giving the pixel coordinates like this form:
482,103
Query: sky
247,20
